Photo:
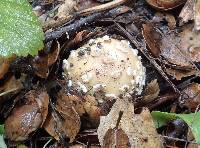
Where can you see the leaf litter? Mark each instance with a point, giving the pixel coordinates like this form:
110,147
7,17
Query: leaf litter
44,108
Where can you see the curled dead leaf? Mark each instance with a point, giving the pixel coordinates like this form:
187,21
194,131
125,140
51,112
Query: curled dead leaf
165,4
151,91
41,63
27,117
139,128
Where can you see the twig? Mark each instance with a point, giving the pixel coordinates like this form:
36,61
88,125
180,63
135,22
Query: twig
55,24
161,100
102,7
152,61
9,91
72,28
177,139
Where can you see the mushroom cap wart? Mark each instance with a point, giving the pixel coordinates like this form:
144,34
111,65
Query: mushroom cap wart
105,68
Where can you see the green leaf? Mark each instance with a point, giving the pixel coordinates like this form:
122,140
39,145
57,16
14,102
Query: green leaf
192,120
20,31
2,142
2,129
21,146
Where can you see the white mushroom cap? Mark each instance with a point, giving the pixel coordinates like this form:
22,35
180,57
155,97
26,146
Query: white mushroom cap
106,67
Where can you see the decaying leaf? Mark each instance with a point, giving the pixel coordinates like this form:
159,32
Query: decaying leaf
11,85
116,138
27,117
68,121
66,8
191,11
179,74
85,4
139,128
92,109
4,65
179,49
187,13
197,15
151,91
191,96
152,38
41,63
165,4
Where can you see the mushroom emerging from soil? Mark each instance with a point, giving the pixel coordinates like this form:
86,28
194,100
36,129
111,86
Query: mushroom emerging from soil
105,68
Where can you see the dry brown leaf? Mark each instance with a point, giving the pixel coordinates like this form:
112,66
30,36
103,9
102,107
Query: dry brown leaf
187,13
139,128
191,11
152,38
27,117
179,50
197,15
4,65
66,9
85,4
80,36
92,109
12,85
151,91
165,4
179,74
191,96
68,121
116,138
41,63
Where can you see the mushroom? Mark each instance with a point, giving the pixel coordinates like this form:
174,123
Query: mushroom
106,68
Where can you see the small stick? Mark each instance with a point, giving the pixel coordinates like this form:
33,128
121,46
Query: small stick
72,28
102,7
9,91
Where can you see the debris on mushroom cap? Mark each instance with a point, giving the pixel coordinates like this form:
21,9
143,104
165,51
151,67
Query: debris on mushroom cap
106,68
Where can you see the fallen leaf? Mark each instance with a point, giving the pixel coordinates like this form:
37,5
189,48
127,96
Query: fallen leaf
11,85
116,138
42,62
85,4
192,119
139,128
68,121
27,117
4,65
152,38
66,8
165,4
187,12
191,96
179,74
151,91
191,12
179,49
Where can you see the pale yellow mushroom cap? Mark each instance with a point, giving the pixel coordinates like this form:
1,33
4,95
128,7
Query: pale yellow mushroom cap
105,68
